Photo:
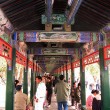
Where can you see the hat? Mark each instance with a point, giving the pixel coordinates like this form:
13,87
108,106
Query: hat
18,87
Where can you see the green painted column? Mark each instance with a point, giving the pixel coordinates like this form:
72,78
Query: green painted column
38,71
25,83
34,76
83,90
66,73
32,84
63,71
60,70
10,83
105,84
72,74
57,74
35,83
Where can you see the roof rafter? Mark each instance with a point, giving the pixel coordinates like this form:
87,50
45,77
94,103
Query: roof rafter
74,8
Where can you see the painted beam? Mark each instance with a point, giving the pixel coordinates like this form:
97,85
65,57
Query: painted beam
33,36
73,10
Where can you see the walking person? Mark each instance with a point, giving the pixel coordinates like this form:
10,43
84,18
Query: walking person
73,90
62,91
78,96
55,81
49,90
40,93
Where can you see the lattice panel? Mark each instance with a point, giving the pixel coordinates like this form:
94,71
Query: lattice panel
107,55
5,49
92,58
30,64
20,58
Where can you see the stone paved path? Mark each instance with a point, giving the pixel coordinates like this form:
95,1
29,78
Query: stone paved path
54,104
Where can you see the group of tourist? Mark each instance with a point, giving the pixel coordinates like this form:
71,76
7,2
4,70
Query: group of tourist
45,89
43,95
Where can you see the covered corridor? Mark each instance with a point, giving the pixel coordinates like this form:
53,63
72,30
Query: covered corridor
68,37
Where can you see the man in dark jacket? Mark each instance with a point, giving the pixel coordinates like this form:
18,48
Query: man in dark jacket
49,90
73,90
96,104
55,81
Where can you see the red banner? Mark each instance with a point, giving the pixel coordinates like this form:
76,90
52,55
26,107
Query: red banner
107,52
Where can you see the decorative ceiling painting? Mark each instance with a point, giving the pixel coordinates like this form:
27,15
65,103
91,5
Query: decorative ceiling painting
6,28
82,37
94,44
54,51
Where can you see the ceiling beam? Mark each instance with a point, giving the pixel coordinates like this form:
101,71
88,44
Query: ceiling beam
103,2
73,10
25,24
16,4
92,16
23,17
97,10
48,10
52,55
30,5
49,62
49,57
13,14
6,2
89,21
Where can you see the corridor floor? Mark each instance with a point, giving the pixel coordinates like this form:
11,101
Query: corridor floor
54,104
